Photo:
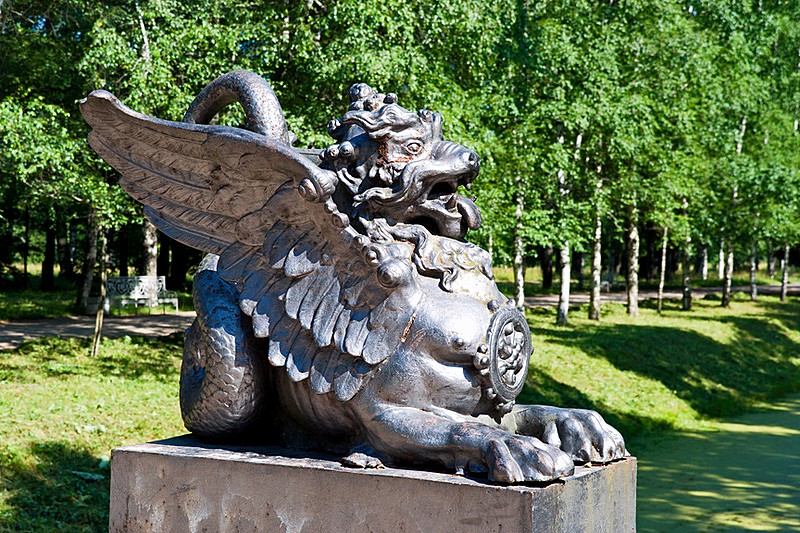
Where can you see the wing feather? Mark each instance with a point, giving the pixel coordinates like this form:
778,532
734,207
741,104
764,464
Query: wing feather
282,246
280,344
242,262
316,292
348,382
296,293
357,332
214,241
322,370
327,314
340,329
298,362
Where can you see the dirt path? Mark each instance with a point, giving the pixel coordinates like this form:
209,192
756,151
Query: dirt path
743,477
12,333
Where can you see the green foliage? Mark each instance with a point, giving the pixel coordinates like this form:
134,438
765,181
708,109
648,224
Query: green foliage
582,108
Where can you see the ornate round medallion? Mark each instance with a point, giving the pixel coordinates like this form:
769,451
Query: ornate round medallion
509,340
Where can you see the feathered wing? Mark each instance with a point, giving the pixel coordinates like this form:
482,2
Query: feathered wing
305,275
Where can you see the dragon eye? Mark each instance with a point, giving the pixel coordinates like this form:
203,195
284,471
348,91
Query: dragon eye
414,147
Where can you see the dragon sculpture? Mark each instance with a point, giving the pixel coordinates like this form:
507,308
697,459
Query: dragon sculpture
339,306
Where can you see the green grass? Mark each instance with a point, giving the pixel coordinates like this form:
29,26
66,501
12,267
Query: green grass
30,303
739,475
62,412
678,371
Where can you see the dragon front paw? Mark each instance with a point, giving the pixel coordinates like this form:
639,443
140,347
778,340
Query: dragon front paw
516,458
581,433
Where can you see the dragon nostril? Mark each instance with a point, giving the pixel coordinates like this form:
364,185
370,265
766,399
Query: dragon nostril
472,159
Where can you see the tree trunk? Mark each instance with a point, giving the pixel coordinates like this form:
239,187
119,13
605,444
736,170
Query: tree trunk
704,262
662,271
547,267
27,248
48,282
179,265
87,272
123,256
686,302
150,234
784,272
673,263
164,256
721,266
72,242
519,250
566,269
64,253
726,287
563,298
753,267
647,263
594,295
7,251
578,264
728,275
98,318
633,259
611,263
772,262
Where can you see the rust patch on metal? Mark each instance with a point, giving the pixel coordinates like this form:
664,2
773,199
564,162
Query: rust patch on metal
408,327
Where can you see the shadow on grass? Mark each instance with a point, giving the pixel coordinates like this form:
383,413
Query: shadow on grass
715,378
130,358
788,313
60,487
542,389
744,478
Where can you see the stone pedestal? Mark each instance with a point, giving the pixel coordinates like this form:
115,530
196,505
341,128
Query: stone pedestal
181,484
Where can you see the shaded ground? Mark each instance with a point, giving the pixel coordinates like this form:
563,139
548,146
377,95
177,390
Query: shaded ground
14,332
745,476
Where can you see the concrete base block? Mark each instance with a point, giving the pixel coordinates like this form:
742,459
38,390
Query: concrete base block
182,484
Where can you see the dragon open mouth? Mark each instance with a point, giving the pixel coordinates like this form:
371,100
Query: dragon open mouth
444,211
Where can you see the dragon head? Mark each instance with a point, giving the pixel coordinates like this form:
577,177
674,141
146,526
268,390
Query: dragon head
396,165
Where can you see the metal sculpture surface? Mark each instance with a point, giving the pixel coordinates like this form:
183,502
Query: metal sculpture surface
339,306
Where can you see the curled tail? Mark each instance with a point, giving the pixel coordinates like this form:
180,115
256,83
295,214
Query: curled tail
224,386
263,113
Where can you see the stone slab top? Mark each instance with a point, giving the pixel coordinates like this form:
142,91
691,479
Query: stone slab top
188,446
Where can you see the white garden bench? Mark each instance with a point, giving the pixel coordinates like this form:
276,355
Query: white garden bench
139,291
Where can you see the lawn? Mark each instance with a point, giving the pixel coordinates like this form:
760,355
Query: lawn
63,411
663,373
32,303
